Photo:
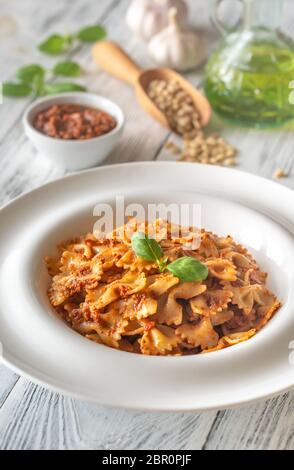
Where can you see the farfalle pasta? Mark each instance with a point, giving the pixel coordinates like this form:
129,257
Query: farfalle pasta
108,294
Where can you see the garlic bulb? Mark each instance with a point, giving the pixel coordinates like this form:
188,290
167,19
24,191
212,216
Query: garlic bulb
148,17
176,48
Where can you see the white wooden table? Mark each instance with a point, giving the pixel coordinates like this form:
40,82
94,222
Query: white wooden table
32,417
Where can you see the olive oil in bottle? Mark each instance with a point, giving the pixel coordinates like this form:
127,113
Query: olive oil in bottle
248,78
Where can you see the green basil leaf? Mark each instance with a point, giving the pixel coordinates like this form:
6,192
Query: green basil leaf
55,44
92,33
16,89
67,68
188,269
38,85
28,73
52,88
146,248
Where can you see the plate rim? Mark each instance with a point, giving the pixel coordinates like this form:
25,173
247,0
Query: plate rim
76,395
74,174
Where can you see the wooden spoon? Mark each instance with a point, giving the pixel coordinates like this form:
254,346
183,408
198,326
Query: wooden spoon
116,62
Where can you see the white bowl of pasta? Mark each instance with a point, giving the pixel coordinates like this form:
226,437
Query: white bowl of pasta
115,329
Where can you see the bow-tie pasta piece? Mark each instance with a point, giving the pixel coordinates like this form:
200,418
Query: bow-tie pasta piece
211,302
161,340
222,269
201,334
172,311
129,284
158,284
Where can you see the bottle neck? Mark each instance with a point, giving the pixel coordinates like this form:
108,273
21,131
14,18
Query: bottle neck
262,14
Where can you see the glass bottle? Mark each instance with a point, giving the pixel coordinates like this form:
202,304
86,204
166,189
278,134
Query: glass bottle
248,79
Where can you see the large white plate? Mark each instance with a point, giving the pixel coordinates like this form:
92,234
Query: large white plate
37,344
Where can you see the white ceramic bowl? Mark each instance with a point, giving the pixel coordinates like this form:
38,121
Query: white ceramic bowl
74,154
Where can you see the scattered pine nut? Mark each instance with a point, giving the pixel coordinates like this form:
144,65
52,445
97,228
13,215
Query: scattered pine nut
279,173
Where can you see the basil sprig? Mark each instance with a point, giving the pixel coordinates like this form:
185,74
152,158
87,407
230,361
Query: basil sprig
32,80
58,44
185,268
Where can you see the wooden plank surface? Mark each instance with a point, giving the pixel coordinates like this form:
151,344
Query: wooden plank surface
32,417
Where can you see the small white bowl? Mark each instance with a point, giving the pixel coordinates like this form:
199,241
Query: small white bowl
74,154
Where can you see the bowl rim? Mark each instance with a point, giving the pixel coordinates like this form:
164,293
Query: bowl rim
66,98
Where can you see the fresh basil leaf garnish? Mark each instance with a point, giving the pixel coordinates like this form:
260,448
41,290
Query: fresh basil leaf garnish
146,248
188,269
